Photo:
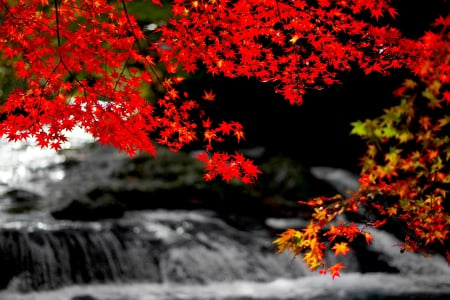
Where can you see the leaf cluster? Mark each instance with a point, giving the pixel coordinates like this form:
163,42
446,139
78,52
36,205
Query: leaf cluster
405,171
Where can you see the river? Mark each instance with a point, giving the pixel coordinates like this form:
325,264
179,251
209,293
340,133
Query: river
173,254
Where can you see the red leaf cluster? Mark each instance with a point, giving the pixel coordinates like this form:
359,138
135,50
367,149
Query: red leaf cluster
299,45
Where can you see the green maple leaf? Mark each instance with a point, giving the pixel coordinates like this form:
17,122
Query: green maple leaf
404,136
359,128
389,131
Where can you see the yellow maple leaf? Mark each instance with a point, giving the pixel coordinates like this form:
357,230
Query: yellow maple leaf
294,39
340,248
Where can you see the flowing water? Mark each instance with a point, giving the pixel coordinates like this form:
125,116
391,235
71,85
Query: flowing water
26,167
162,254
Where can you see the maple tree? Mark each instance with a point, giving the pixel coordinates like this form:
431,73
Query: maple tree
405,173
87,63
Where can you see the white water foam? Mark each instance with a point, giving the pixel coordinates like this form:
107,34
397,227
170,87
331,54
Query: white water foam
349,286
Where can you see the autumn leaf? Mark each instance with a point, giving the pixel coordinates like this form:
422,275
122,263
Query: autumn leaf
446,97
172,68
392,12
368,237
377,13
359,128
335,270
206,123
157,2
288,239
210,135
225,127
294,39
209,96
239,135
340,248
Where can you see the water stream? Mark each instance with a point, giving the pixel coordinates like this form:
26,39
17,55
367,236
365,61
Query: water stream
174,254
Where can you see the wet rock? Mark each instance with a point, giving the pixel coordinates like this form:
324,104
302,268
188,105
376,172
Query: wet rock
19,201
84,297
284,182
342,180
175,181
85,210
21,283
18,195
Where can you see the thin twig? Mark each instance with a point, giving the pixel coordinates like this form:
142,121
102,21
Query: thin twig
137,43
57,22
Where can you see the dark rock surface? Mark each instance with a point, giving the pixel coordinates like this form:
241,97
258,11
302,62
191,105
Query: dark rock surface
89,210
104,183
19,201
18,195
84,297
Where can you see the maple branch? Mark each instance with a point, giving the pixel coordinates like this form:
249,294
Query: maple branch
61,61
122,72
279,11
50,76
59,41
57,22
136,40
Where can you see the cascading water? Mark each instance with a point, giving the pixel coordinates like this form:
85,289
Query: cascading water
41,256
157,246
176,254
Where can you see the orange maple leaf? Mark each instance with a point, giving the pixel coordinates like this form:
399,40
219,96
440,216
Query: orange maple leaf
340,248
239,135
368,237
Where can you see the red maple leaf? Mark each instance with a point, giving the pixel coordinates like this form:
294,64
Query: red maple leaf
335,270
209,96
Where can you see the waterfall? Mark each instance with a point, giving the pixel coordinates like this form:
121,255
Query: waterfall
43,258
158,246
